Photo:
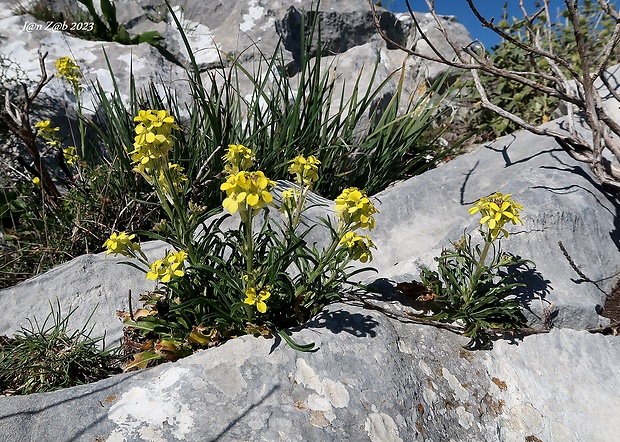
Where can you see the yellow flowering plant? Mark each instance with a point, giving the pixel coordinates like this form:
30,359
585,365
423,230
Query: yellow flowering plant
48,133
322,273
215,284
477,287
121,244
69,71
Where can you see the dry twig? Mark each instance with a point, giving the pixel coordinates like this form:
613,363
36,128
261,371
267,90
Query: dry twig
18,122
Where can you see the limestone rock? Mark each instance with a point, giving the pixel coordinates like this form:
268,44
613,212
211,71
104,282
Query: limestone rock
372,379
80,283
375,377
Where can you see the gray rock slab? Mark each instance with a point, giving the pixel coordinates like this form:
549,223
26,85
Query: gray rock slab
372,379
87,283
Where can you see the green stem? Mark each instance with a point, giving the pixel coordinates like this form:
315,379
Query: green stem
176,213
245,213
300,203
246,219
326,259
479,266
76,92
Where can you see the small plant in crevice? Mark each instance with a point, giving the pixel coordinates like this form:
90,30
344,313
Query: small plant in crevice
106,26
90,25
47,357
215,284
475,286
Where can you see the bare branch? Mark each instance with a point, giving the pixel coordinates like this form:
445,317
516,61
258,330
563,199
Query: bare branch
608,51
605,6
572,84
528,48
18,122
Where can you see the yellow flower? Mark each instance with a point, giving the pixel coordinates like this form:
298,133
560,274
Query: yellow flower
45,126
36,181
121,244
238,158
70,156
304,169
252,298
157,271
359,246
355,209
175,177
169,268
148,159
70,71
155,118
48,133
496,211
289,200
249,189
153,141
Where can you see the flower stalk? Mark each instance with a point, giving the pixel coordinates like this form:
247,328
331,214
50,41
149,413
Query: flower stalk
71,73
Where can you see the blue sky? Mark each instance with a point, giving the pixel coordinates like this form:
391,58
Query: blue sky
460,8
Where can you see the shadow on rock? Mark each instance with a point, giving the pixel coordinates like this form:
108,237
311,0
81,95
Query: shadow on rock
341,320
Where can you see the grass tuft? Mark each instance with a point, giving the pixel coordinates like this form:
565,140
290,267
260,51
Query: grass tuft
49,357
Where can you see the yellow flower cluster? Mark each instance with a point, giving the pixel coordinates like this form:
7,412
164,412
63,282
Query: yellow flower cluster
153,141
305,170
250,189
355,209
258,299
238,158
36,181
289,200
48,133
71,158
169,268
175,177
121,244
155,127
359,246
70,72
496,211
